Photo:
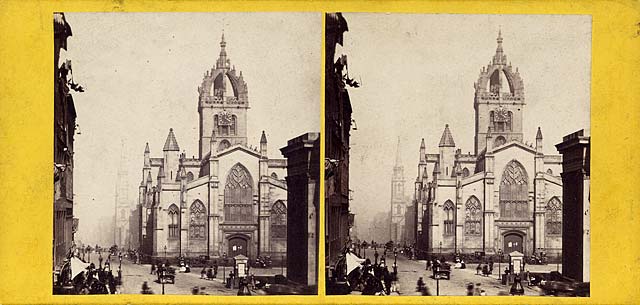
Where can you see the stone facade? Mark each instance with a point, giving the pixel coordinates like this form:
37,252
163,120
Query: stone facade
507,195
64,128
231,199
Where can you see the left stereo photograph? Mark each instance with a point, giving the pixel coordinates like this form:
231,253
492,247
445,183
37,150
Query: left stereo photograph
186,153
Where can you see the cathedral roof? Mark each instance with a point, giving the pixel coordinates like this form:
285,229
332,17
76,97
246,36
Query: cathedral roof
447,139
171,144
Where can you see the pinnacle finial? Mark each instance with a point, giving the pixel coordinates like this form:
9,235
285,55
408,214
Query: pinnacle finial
263,138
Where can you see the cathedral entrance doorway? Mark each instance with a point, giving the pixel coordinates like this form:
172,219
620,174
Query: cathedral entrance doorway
237,245
513,242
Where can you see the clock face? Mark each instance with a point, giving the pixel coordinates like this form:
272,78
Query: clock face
224,118
502,115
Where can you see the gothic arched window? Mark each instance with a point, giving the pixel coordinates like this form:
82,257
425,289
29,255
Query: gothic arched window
514,192
174,227
279,220
448,217
197,220
238,195
473,216
554,216
189,176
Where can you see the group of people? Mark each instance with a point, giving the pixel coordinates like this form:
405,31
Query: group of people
373,279
92,280
210,273
485,269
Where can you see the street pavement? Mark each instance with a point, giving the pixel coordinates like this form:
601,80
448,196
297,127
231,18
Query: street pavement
410,270
133,276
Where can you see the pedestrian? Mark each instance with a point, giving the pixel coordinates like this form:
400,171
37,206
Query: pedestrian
491,266
215,269
470,289
477,290
203,274
210,274
146,289
428,264
153,268
479,268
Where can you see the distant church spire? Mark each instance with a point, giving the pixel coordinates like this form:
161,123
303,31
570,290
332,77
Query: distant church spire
398,154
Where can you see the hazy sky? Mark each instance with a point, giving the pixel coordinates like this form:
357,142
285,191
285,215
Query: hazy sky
417,73
141,72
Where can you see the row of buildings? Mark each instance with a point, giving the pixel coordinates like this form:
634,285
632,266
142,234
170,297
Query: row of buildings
64,130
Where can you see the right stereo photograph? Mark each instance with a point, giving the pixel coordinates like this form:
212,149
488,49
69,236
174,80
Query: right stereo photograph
457,154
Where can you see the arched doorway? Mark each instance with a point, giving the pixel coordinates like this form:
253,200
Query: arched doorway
237,245
513,242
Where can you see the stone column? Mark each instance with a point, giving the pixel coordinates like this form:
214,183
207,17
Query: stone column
303,206
576,155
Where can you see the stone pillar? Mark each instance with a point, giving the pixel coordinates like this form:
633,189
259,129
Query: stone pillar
576,241
303,207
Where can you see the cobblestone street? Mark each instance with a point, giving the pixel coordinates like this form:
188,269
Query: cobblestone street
410,270
134,275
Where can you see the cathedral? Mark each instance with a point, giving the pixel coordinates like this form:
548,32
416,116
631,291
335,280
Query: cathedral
507,195
231,199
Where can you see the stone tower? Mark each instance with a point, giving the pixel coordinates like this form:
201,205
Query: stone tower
222,105
498,103
397,200
122,204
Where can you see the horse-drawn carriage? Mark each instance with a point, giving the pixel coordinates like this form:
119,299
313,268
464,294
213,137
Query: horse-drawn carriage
442,270
167,274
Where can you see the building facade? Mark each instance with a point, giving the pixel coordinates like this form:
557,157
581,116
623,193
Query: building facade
337,133
507,195
64,128
231,199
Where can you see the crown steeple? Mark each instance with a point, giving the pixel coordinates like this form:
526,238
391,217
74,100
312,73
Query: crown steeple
223,62
499,58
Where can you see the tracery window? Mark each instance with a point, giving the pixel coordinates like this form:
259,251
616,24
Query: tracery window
197,220
238,195
448,220
473,216
554,216
174,228
279,220
514,194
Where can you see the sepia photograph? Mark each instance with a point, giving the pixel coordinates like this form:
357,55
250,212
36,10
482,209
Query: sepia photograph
457,154
186,153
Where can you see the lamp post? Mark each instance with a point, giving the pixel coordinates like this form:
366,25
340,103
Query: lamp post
437,276
224,268
499,264
164,268
395,261
440,253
